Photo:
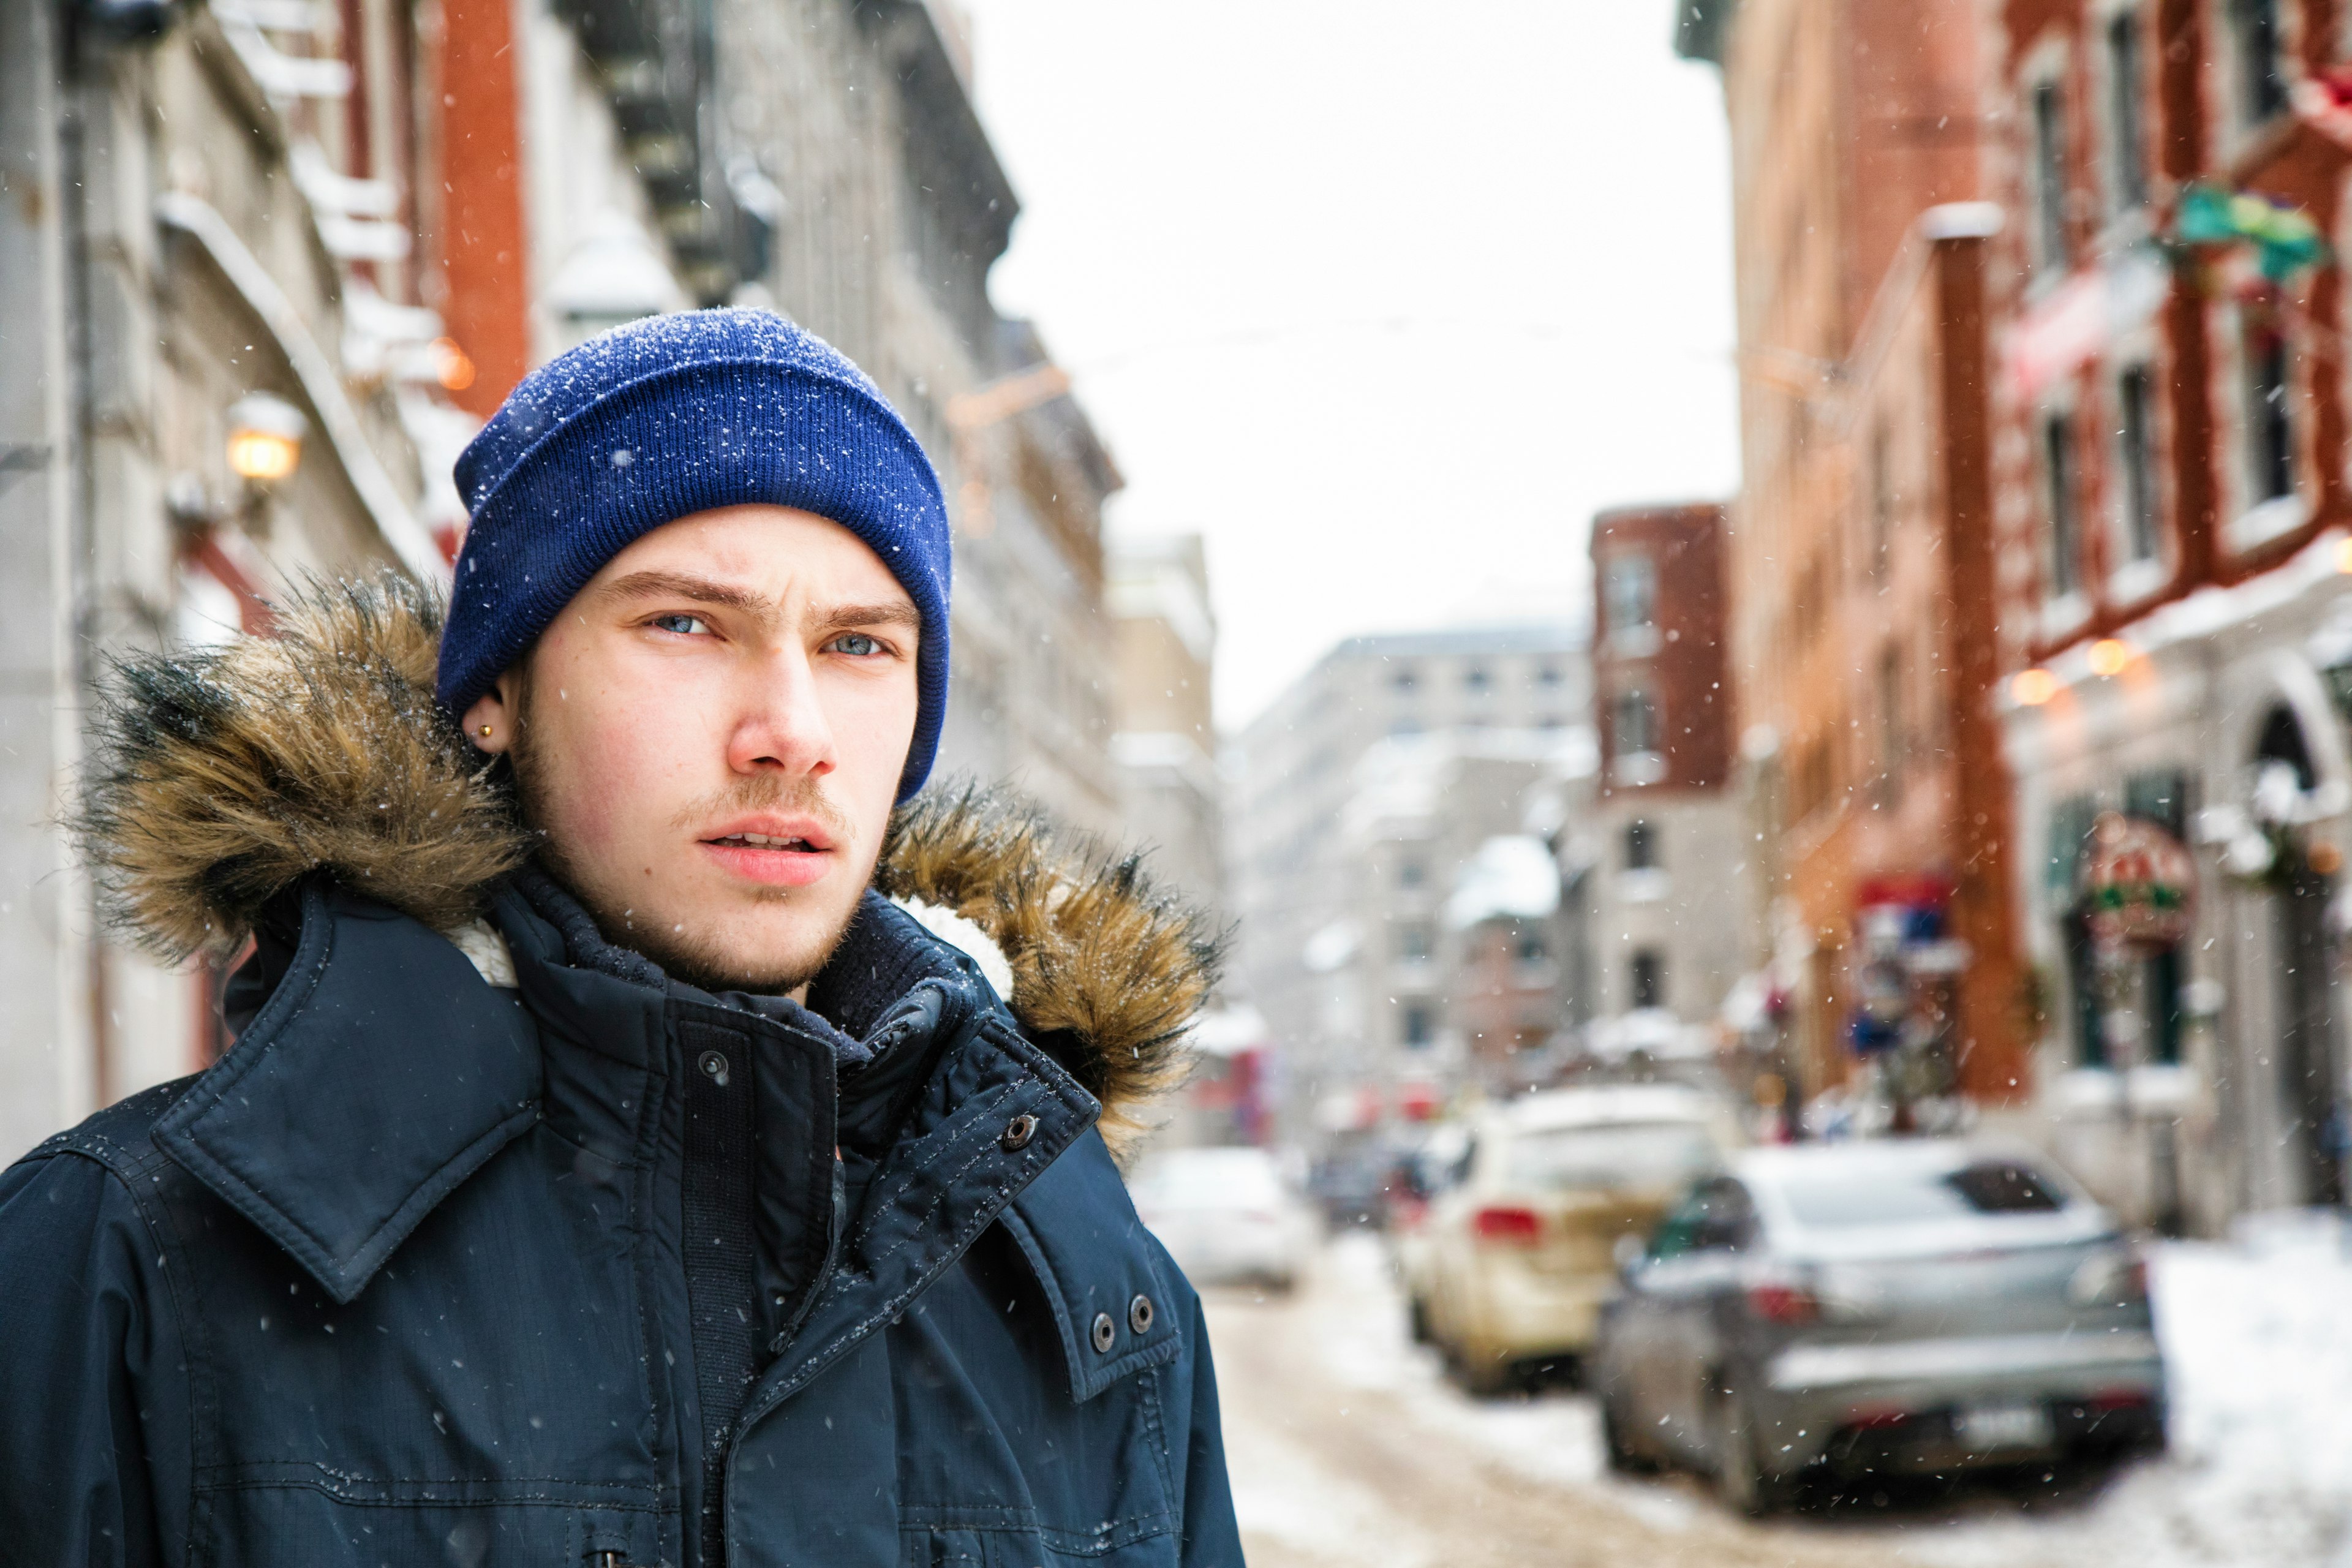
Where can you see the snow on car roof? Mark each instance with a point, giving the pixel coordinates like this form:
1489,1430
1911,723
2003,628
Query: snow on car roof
1612,1103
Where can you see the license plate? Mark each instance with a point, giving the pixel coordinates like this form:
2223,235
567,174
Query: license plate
1987,1426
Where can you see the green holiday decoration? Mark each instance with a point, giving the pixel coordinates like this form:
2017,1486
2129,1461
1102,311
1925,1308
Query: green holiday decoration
2284,238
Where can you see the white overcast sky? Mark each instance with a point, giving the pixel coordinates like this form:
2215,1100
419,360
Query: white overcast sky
1384,297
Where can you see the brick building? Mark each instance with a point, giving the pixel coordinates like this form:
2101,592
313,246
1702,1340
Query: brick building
1860,633
1658,865
2170,456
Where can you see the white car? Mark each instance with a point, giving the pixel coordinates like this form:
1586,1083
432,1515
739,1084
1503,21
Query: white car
1227,1214
1516,1253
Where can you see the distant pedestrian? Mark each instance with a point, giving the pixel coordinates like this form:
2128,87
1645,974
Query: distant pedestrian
640,1144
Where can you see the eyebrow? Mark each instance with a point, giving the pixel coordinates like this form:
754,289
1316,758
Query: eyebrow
891,613
704,591
681,585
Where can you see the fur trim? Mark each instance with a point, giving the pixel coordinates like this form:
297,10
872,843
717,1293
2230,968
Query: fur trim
1101,959
220,778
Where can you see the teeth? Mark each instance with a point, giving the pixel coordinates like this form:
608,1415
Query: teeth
765,841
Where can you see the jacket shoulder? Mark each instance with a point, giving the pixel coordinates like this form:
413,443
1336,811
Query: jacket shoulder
121,1137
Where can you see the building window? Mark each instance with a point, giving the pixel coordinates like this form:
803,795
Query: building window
1412,944
1641,846
1531,947
2160,795
2088,1024
2161,1004
2269,428
1477,681
2049,104
2058,504
1629,593
1406,680
2127,151
2135,457
2254,41
1548,676
1420,1027
1647,974
1411,874
1634,721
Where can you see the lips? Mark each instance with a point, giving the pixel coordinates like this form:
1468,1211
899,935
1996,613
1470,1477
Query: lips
774,851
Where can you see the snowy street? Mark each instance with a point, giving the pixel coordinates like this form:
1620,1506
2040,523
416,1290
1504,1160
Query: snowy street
1350,1448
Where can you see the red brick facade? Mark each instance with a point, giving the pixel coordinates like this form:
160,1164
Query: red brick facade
2140,506
1661,685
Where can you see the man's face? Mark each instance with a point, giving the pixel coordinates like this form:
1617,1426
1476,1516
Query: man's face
710,735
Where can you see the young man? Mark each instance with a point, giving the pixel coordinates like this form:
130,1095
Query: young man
605,1171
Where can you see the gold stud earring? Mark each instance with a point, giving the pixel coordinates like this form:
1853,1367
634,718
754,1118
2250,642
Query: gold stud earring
486,731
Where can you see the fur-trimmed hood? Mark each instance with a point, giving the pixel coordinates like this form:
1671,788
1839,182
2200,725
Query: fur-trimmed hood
220,778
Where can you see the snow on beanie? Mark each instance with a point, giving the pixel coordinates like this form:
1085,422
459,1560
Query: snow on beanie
665,417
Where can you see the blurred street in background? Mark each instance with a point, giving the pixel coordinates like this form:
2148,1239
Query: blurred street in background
1349,1445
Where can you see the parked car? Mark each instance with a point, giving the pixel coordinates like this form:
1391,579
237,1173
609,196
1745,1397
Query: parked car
1227,1214
1514,1252
1351,1188
1901,1306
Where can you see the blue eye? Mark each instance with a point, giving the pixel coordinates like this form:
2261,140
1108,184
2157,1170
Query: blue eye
684,625
857,645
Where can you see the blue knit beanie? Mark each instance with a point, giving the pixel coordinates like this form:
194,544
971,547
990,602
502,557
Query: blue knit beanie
665,417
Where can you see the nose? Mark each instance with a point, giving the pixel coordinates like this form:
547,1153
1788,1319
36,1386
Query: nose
783,725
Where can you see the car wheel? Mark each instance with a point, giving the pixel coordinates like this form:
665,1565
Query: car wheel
1623,1457
1483,1375
1739,1473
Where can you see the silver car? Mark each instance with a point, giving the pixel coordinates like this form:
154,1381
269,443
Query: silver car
1852,1309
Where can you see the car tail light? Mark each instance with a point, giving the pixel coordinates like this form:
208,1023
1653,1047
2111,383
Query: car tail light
2120,1399
2116,1278
1778,1302
1508,1226
1877,1417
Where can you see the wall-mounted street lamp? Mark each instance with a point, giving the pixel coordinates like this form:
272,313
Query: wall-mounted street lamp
265,438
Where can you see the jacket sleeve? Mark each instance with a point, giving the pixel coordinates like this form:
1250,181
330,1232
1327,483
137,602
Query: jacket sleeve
1211,1535
77,1344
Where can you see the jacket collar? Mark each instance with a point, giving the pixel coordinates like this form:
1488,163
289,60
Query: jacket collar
382,1070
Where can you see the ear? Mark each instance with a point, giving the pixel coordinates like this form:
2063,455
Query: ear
490,721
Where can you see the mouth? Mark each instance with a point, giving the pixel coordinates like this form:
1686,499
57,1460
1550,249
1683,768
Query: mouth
789,853
764,841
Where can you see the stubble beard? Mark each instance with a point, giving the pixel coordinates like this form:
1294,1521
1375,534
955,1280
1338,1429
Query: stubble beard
697,958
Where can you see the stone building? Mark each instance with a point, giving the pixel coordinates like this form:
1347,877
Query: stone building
1363,794
1861,635
267,262
2170,457
1660,862
223,377
1171,795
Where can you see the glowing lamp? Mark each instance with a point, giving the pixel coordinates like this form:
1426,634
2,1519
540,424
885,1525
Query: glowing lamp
451,368
2343,555
2108,656
265,438
2033,687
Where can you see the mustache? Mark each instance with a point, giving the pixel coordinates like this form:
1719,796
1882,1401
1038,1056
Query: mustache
799,795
